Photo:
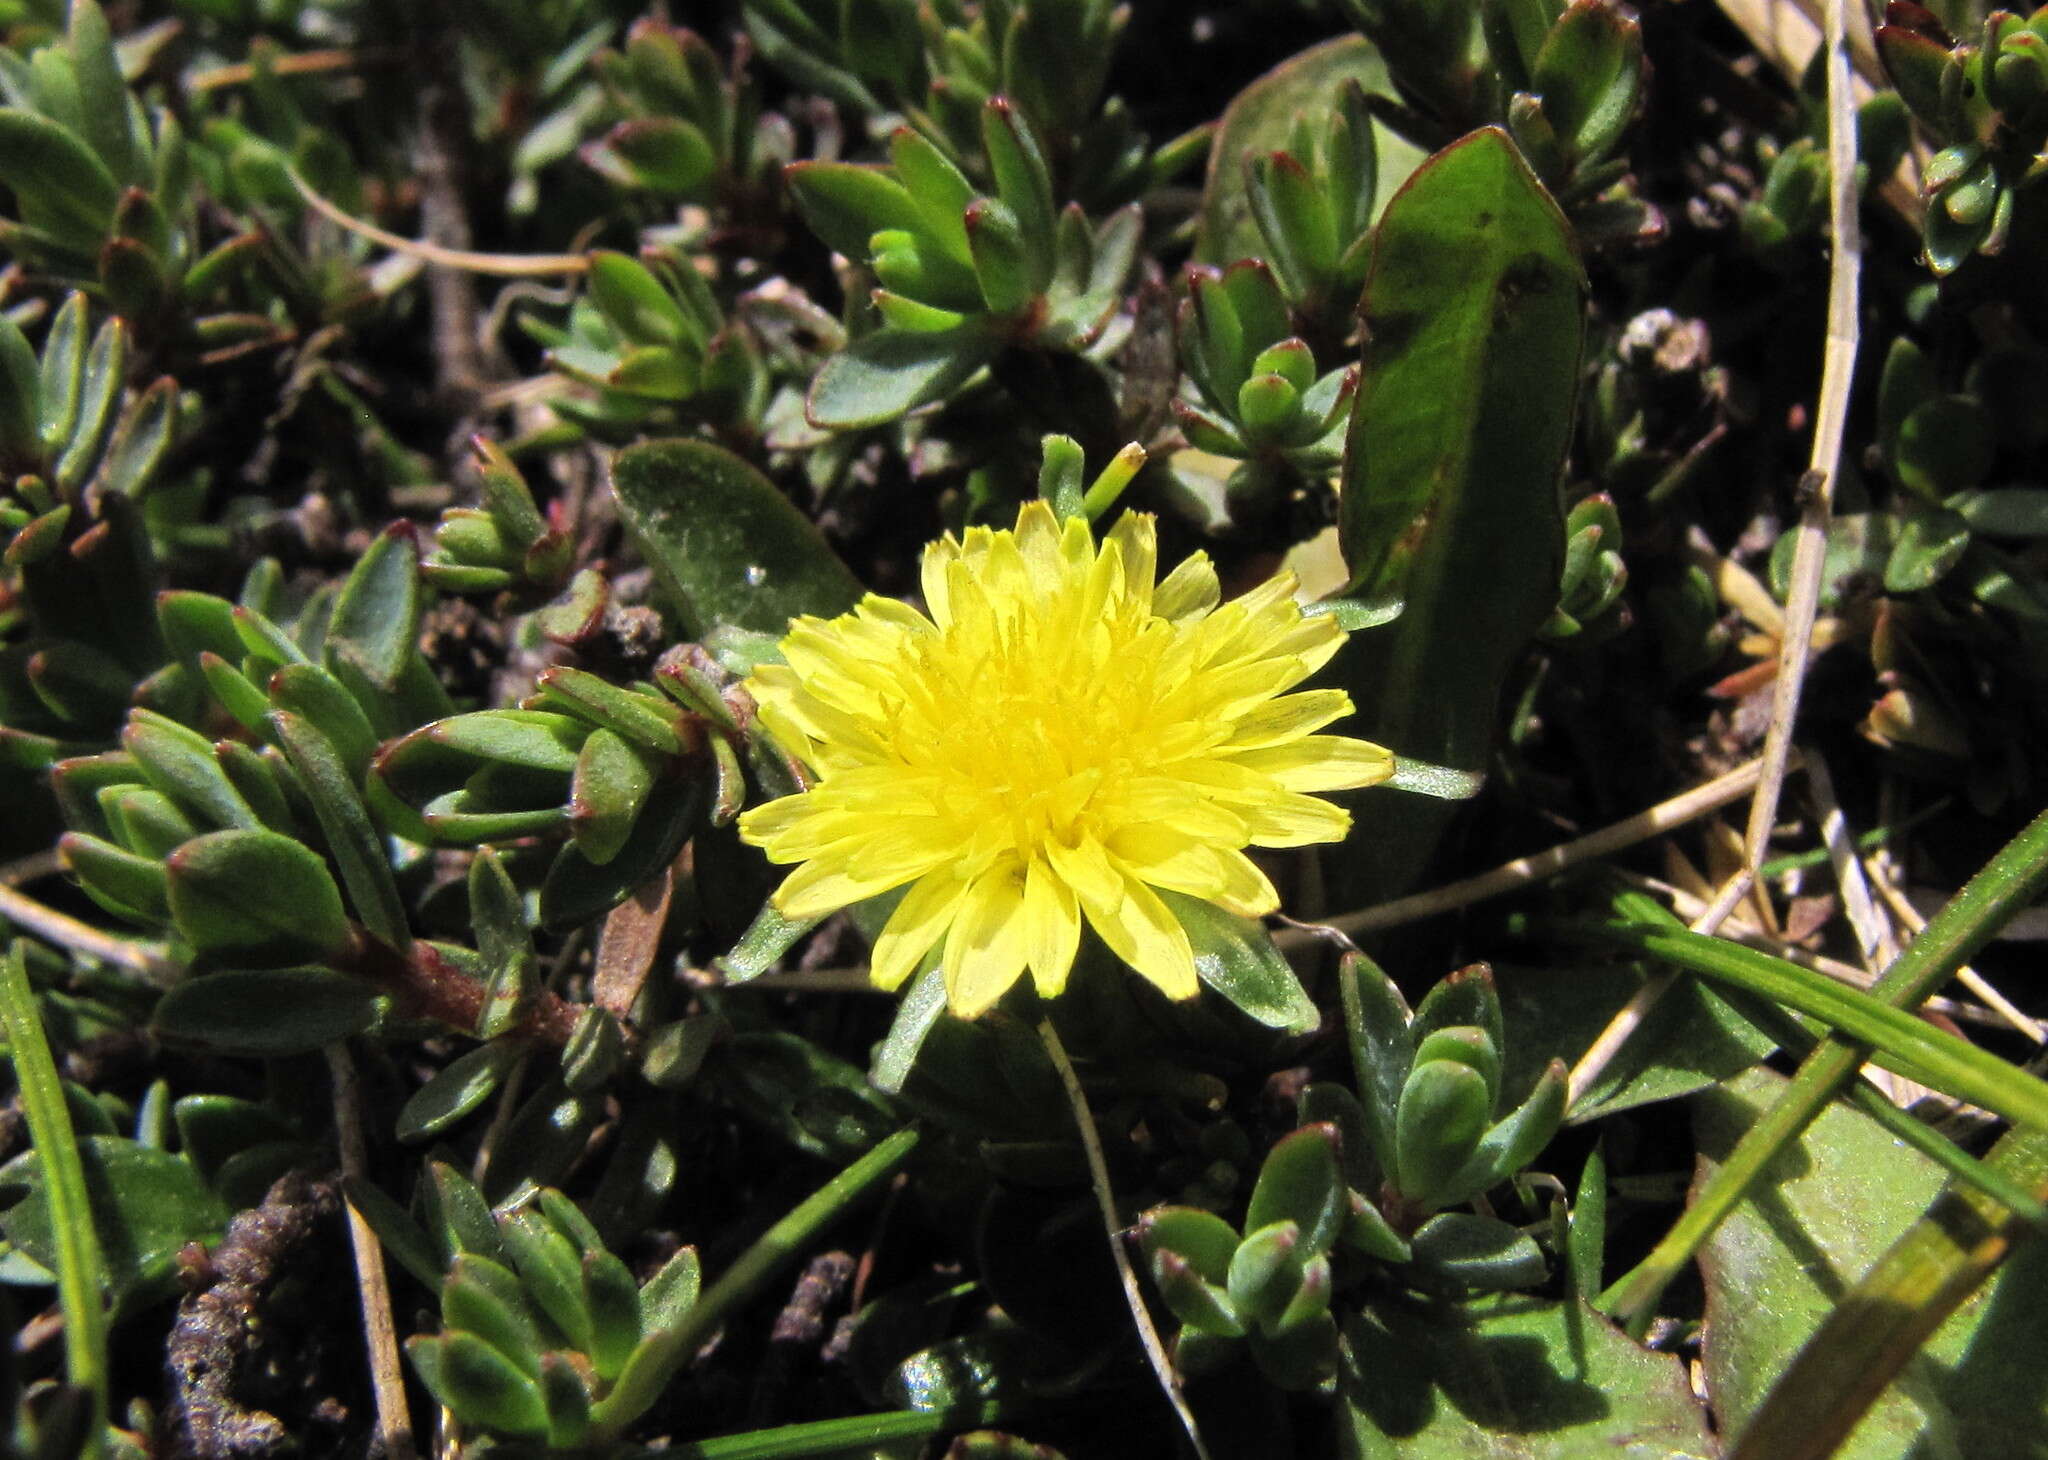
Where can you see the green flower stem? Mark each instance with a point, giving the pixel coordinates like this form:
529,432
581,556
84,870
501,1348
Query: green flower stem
656,1361
2007,883
1105,1198
79,1281
832,1436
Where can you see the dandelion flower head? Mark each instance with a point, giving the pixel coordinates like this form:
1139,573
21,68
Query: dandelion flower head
1060,739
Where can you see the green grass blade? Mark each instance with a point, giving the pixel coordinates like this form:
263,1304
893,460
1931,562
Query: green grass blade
1896,1039
1892,1310
835,1436
655,1362
2006,884
79,1278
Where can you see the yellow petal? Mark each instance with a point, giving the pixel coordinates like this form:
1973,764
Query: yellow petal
821,887
1140,931
919,921
1087,869
938,558
1321,763
1052,920
1137,542
1288,718
985,948
1289,820
1189,591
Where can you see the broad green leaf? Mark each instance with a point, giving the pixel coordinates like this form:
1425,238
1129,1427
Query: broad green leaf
60,186
1779,1264
728,547
1236,957
146,1205
1261,119
1876,1332
268,1012
883,375
1690,1039
255,897
1510,1378
1473,326
455,1091
376,617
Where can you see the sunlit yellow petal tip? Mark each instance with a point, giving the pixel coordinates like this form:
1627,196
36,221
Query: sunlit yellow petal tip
1052,743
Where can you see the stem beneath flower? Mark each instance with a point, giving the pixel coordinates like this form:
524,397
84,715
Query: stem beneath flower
1098,1178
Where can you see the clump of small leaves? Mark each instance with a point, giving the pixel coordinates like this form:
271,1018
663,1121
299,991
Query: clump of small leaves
808,693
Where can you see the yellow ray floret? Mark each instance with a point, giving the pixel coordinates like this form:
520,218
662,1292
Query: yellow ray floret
1061,738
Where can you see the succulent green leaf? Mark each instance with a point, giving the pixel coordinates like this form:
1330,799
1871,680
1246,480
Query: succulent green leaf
376,616
256,898
1445,1108
482,1298
266,1012
847,204
125,884
1477,1252
62,188
888,373
352,838
671,1293
480,1386
1300,1183
1266,1272
455,1091
1261,119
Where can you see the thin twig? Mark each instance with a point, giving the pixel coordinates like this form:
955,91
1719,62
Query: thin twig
1967,976
1112,1226
1817,487
1831,415
31,868
1873,931
1631,1016
148,960
1520,873
502,265
303,63
380,1333
440,158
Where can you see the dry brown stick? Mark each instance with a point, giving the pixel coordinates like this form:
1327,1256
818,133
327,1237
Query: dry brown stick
442,156
302,63
148,960
1816,490
1523,871
380,1332
1831,415
1873,930
1967,976
503,265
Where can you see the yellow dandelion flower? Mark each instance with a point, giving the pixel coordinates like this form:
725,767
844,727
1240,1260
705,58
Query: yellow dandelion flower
1059,738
